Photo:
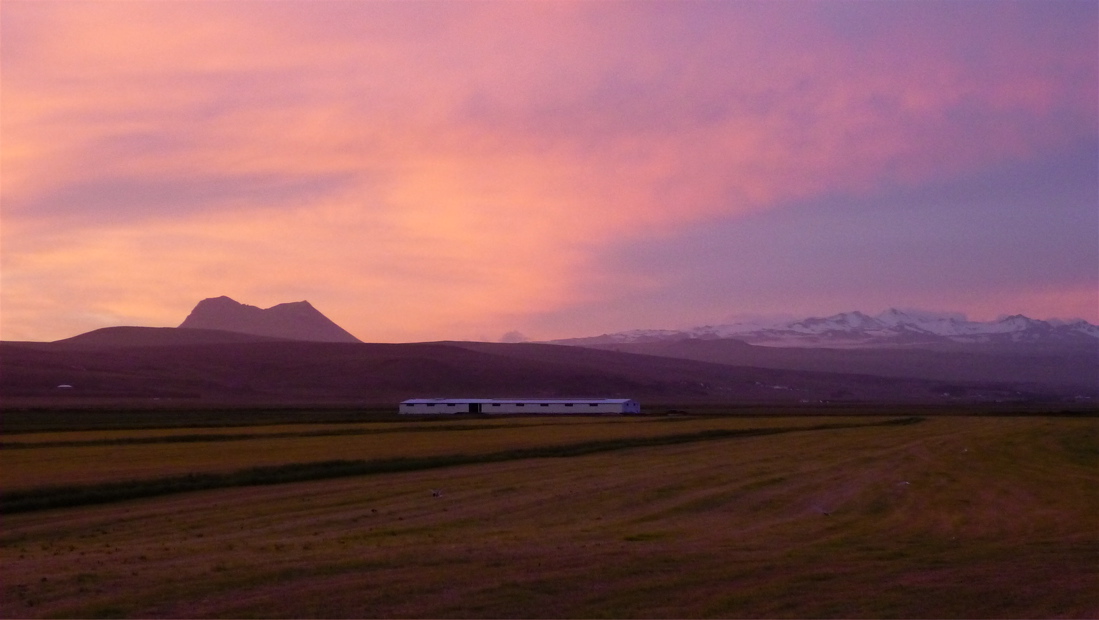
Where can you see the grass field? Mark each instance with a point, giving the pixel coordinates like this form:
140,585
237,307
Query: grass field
570,517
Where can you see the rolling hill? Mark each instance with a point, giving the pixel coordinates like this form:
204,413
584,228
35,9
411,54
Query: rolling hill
208,366
1064,369
226,351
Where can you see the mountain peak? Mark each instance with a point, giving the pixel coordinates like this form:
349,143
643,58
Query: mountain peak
220,301
297,320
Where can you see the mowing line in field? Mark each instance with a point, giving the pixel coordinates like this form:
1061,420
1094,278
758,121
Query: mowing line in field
43,498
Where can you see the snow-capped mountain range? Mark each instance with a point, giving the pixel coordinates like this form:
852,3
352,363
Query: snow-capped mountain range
855,329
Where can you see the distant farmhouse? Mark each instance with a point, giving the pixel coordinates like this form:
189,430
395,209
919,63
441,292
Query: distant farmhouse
520,405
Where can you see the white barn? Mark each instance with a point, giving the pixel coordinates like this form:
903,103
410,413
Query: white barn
519,405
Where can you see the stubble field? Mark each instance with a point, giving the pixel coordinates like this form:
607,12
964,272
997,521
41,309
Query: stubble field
709,516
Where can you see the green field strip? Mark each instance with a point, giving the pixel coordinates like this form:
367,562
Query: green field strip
419,426
43,498
20,422
218,437
17,422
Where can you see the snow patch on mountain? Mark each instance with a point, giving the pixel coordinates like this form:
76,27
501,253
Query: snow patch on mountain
855,329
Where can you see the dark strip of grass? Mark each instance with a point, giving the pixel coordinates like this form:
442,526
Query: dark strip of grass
417,426
216,437
18,421
77,495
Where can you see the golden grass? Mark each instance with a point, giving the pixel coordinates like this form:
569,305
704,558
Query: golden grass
83,464
954,517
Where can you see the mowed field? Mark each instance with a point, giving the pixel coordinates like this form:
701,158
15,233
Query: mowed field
686,516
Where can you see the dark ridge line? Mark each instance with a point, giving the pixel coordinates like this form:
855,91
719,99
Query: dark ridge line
43,498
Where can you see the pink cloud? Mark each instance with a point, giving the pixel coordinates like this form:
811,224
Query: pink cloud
478,150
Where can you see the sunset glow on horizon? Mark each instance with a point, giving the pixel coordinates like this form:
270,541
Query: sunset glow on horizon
457,170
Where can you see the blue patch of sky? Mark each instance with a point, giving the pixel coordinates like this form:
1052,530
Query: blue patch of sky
1015,226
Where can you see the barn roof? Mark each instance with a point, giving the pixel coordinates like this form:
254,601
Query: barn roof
465,401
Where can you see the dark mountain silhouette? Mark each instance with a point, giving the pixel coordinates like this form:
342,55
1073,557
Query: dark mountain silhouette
227,352
127,336
272,372
292,321
1064,367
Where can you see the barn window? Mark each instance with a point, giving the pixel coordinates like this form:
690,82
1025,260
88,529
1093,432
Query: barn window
431,404
568,404
545,405
495,404
592,405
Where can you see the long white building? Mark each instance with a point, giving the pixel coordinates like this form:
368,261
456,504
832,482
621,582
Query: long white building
519,405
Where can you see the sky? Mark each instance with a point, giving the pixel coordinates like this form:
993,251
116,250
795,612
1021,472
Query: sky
429,170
